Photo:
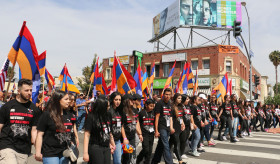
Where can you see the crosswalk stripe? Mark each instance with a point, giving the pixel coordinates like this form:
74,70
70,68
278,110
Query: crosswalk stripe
242,153
250,144
262,139
199,161
264,135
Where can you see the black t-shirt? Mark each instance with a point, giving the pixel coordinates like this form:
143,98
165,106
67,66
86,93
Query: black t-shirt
226,109
164,109
235,109
116,123
55,141
203,111
260,111
187,115
213,109
177,121
99,130
146,120
130,124
18,119
196,112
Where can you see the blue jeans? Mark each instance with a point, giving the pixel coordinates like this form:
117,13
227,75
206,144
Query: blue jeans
117,156
163,148
235,122
195,139
55,160
81,119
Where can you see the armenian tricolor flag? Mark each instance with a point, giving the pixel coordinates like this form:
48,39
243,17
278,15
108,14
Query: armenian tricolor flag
101,84
223,86
122,81
137,78
95,72
195,84
168,81
42,63
67,84
25,53
50,80
151,82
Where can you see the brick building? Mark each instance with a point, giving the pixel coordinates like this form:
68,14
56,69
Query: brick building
212,63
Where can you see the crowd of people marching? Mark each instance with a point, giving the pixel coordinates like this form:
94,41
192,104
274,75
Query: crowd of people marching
114,125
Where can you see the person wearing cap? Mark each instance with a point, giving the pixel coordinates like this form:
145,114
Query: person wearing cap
81,105
131,127
163,128
226,117
206,117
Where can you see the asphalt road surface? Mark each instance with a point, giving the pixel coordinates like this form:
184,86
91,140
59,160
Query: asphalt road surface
262,148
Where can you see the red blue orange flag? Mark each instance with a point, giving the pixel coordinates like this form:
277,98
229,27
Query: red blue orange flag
122,81
151,81
95,72
67,84
137,78
42,63
195,88
101,85
50,80
168,81
223,86
25,53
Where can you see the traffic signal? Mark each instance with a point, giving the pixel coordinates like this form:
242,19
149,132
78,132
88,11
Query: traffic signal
236,28
257,80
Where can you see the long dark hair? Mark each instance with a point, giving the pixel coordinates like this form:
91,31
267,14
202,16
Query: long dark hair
127,108
99,109
112,97
184,98
54,109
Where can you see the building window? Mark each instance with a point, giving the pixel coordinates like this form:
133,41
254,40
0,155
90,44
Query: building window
165,70
228,66
108,73
131,70
182,65
206,64
157,70
148,68
194,64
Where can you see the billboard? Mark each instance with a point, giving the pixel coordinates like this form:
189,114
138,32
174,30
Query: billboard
166,19
197,13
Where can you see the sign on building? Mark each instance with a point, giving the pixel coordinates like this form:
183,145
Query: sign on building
123,59
173,57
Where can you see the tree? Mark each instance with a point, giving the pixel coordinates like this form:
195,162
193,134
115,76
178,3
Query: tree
275,59
278,88
272,100
84,82
11,73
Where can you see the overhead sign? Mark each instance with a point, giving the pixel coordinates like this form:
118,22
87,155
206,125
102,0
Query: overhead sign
251,53
173,57
239,41
228,49
123,59
159,83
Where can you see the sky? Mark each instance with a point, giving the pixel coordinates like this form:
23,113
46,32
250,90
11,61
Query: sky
73,31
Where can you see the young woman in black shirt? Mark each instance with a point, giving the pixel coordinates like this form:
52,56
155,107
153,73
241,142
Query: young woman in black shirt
54,130
261,115
98,140
213,107
131,126
117,125
178,137
226,118
187,122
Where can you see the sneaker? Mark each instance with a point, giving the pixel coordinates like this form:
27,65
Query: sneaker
250,135
201,150
220,139
224,138
201,145
236,139
211,144
195,154
184,156
233,141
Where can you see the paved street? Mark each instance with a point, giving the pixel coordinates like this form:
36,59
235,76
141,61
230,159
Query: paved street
262,148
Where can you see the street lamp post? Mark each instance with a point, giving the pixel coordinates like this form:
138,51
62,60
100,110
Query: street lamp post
249,56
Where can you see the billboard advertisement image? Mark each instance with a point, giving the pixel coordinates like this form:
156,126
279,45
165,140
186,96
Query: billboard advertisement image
210,13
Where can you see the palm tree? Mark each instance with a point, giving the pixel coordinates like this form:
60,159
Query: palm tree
275,59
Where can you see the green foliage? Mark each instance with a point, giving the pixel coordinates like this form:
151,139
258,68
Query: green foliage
11,73
273,100
274,57
278,88
84,82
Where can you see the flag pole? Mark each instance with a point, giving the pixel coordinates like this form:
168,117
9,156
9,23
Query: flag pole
89,88
14,63
124,76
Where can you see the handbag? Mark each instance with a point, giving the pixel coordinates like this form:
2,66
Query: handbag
71,152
